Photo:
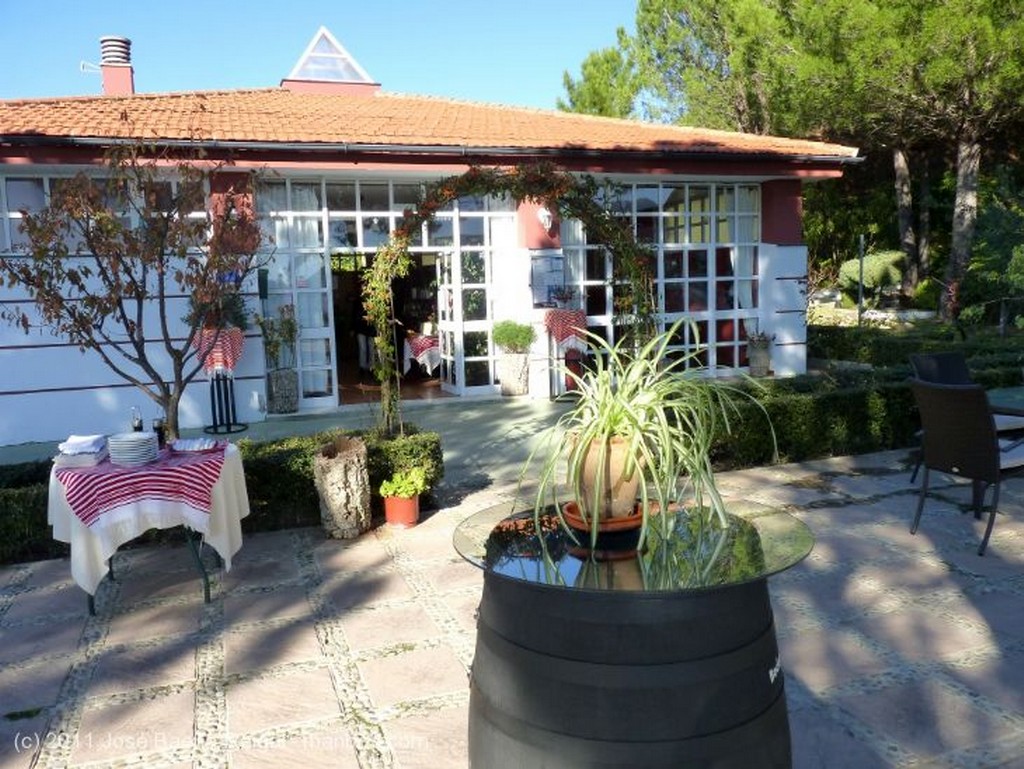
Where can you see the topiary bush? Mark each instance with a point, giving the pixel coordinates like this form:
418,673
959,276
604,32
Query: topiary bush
882,269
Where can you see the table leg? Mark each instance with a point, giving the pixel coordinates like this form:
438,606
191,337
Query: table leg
197,558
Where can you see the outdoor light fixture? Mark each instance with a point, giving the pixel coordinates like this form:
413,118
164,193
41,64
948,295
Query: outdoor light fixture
545,217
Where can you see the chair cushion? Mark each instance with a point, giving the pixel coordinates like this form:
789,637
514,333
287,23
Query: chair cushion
1011,454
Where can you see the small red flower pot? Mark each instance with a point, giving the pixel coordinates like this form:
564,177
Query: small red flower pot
401,512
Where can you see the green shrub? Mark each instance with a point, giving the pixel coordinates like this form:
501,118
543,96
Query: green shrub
279,474
24,532
279,479
25,474
881,270
926,295
513,337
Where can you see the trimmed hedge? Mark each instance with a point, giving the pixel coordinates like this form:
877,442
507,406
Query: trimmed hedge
24,532
279,474
811,425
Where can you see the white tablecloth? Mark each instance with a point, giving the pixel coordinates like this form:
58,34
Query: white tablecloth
92,546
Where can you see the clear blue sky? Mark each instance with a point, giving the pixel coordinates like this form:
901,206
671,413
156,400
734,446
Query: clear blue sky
479,50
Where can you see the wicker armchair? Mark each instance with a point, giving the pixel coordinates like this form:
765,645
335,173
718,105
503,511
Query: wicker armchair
960,439
951,368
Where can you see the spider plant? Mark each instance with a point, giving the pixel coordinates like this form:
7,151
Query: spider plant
662,405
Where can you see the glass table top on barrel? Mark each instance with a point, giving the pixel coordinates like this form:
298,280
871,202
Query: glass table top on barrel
696,554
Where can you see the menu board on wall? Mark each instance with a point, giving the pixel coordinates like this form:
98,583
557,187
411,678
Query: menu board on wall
547,278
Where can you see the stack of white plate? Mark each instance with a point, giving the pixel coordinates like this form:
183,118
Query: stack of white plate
132,449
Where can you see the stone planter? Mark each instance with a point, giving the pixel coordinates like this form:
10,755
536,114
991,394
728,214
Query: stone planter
342,480
282,391
514,373
760,359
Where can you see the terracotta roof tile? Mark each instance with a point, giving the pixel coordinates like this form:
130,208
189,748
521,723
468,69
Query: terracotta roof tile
277,115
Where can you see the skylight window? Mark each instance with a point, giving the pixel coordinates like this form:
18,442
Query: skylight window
325,59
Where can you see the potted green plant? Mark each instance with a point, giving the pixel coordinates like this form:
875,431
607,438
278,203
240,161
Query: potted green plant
401,493
279,337
514,339
638,438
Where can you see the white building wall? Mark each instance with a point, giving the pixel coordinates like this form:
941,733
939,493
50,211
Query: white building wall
513,300
50,389
783,287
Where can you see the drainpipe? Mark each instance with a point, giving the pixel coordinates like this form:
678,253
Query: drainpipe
116,66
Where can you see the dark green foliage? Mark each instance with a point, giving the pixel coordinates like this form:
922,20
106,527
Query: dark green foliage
827,421
279,479
385,456
881,270
926,295
24,532
888,348
25,474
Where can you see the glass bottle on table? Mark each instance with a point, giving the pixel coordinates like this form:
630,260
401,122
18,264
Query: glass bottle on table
158,428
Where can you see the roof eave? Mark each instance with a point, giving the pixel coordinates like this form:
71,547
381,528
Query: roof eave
451,150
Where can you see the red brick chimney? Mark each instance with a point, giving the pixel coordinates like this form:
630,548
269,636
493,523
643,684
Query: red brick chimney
116,66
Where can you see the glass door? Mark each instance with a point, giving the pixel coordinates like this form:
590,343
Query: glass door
482,230
464,321
293,217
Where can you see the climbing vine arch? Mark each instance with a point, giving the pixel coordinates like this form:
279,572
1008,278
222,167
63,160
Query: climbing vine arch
573,197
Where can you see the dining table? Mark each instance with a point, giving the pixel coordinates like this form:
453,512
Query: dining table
99,508
1007,400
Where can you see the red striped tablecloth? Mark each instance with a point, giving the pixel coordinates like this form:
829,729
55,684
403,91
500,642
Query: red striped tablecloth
566,327
183,477
222,348
421,344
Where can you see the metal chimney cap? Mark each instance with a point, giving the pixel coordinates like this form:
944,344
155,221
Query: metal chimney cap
115,50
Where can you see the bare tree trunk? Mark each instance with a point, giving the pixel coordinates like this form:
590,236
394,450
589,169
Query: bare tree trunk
924,218
965,215
171,415
905,219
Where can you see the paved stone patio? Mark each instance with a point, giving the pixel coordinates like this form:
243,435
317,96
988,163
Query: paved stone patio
899,650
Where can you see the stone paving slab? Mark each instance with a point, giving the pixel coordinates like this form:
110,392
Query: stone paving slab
899,650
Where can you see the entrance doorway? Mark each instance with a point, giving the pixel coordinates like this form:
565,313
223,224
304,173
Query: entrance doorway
415,332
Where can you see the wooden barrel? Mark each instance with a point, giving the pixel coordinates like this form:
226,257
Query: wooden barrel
567,678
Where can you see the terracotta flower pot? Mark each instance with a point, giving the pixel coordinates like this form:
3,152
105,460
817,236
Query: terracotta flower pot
618,495
401,512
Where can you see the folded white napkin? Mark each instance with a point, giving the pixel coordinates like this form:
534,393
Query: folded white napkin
83,444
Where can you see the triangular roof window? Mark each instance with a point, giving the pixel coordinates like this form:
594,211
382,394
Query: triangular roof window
326,60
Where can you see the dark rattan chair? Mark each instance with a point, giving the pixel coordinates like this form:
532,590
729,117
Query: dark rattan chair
951,368
941,368
960,438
